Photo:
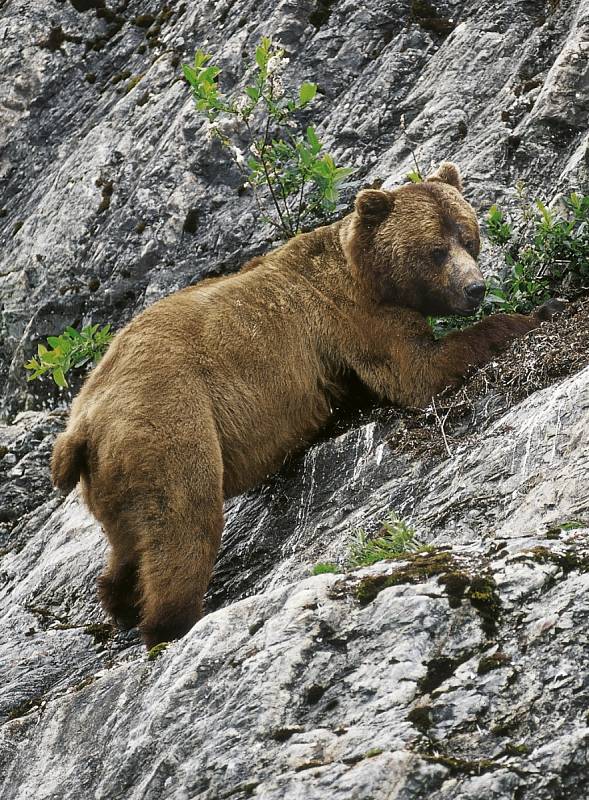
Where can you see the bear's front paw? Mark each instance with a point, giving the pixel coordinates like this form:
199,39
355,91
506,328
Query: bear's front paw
551,309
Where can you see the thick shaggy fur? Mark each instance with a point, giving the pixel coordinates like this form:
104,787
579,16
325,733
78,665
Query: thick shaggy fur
205,393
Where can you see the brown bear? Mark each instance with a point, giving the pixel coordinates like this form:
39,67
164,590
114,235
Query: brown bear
204,393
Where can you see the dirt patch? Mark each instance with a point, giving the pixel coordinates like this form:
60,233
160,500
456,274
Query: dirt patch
552,352
544,356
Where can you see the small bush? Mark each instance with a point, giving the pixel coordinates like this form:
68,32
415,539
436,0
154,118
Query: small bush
70,350
546,253
285,168
498,230
393,539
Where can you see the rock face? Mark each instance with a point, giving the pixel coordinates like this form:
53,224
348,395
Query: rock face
455,673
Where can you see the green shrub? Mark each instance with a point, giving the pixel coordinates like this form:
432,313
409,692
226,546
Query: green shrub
498,230
70,350
394,539
286,170
550,246
546,252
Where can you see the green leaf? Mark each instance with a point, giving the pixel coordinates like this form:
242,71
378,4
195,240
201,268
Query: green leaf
73,332
262,58
59,378
414,176
307,92
253,93
545,212
190,75
313,140
201,58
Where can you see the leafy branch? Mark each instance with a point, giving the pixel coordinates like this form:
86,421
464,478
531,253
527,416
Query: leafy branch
68,351
286,169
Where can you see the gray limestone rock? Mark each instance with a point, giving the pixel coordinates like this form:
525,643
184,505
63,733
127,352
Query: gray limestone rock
456,673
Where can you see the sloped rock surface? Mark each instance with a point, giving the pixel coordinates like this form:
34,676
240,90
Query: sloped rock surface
463,677
459,673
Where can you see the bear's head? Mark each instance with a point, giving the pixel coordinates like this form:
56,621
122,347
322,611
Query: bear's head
417,246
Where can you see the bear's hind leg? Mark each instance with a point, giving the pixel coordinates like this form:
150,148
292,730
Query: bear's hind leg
178,538
176,565
118,585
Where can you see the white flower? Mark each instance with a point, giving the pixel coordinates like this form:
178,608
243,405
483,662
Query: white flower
241,105
237,154
254,149
277,62
212,131
277,87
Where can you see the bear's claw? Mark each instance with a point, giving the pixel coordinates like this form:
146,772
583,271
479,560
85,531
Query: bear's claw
551,309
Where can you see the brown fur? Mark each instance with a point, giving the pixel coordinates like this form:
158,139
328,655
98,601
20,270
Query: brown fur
205,393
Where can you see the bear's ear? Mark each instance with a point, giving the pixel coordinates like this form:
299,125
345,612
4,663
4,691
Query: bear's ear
373,205
447,173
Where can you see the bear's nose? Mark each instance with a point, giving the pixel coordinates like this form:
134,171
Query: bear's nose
475,292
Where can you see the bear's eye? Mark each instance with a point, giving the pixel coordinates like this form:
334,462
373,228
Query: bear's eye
470,247
439,255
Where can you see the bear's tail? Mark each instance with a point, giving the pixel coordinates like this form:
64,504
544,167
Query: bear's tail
68,460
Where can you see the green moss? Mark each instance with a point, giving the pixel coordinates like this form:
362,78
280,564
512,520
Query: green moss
462,766
505,728
143,20
120,76
479,590
325,567
107,190
570,525
427,17
420,717
420,568
483,596
568,561
284,734
456,583
517,749
156,651
85,682
133,82
496,661
23,708
164,14
374,751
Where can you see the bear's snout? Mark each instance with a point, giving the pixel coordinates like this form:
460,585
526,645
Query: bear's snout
475,292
